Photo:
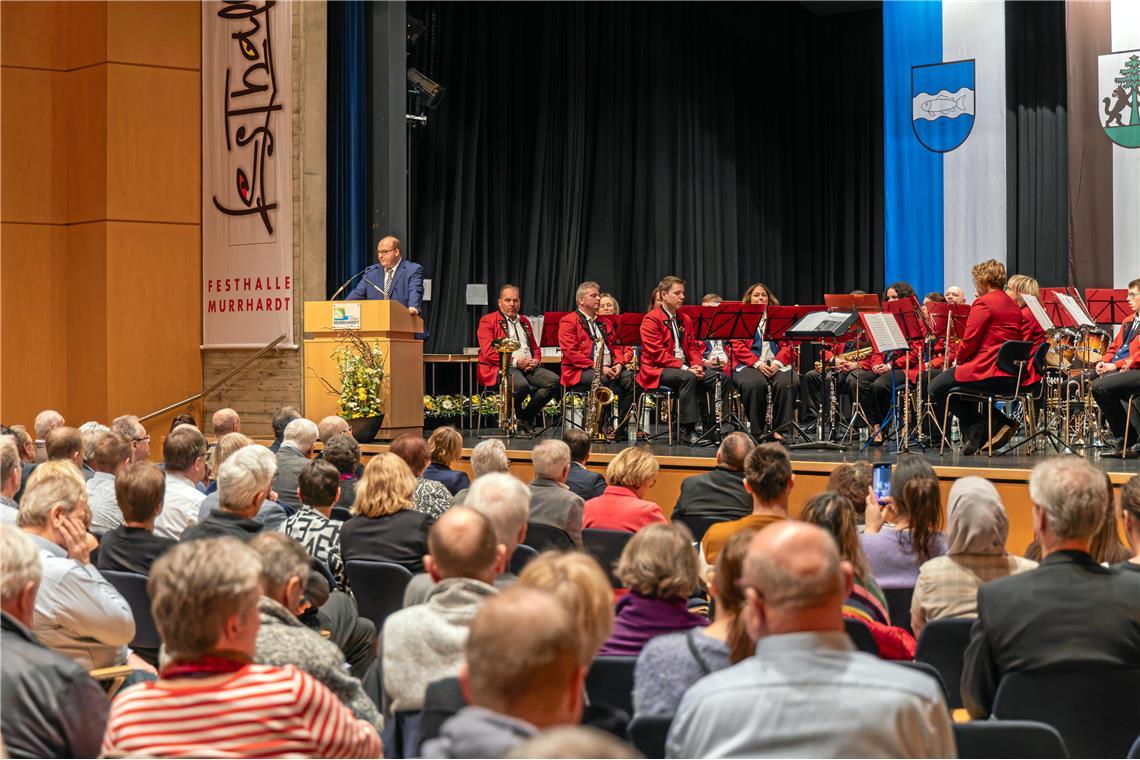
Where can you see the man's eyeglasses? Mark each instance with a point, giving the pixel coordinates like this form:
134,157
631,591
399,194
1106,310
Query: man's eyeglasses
1133,294
143,438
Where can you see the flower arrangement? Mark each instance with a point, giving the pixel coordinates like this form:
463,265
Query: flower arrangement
444,406
361,368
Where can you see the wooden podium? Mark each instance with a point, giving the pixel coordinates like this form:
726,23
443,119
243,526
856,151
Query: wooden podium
395,328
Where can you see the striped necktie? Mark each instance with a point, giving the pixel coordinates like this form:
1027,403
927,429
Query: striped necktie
388,275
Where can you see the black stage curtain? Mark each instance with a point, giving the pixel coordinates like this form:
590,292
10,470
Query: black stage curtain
1037,143
620,142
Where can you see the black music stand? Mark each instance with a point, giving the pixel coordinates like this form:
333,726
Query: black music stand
825,326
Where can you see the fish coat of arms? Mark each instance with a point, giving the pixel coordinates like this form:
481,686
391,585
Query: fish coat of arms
942,104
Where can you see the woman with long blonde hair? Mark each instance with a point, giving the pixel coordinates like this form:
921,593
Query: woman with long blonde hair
385,527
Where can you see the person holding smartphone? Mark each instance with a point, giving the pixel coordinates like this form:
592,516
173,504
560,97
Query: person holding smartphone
902,528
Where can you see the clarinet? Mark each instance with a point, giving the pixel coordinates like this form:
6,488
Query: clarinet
719,404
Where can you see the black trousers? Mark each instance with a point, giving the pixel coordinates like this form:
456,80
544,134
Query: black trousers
622,386
685,384
880,400
1111,393
969,413
753,387
540,384
816,395
355,635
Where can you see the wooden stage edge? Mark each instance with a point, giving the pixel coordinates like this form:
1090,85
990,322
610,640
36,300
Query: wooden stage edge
812,470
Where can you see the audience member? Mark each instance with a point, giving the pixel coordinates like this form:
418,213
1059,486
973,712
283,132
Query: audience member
659,567
668,665
977,528
10,479
224,422
586,483
25,443
65,443
539,684
132,547
1130,516
78,613
851,704
384,527
129,426
281,419
768,479
487,457
46,421
582,742
245,480
89,432
271,515
551,501
720,492
866,603
343,452
294,452
431,496
49,706
111,456
184,419
424,643
332,425
446,445
504,501
622,506
1070,610
902,533
184,454
852,479
282,639
1106,547
212,700
310,525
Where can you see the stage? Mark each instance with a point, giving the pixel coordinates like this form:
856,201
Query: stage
1009,474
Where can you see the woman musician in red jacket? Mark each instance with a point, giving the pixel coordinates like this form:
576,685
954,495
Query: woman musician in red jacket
758,362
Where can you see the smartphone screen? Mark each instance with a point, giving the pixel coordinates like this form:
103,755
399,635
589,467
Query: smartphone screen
881,480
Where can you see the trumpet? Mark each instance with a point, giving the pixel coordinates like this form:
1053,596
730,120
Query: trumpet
850,356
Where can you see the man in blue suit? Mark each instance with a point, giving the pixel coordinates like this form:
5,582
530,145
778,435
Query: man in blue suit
393,279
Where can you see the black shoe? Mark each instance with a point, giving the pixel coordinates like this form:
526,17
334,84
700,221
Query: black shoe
688,436
972,441
1003,435
524,427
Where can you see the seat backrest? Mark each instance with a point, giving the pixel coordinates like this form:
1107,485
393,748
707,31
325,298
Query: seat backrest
1039,357
610,682
542,537
378,588
861,636
132,586
1093,707
523,554
1012,353
928,669
340,513
648,733
898,604
1008,739
699,524
942,644
606,546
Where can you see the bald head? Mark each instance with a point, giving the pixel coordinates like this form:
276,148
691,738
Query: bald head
225,421
733,449
47,421
462,544
330,426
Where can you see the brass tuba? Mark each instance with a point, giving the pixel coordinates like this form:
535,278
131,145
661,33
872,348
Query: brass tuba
506,346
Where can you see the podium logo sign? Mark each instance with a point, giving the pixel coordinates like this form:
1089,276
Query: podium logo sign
346,316
942,104
1119,87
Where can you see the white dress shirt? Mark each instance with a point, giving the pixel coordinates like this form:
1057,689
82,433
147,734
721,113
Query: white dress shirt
516,331
678,350
105,512
595,333
179,508
8,510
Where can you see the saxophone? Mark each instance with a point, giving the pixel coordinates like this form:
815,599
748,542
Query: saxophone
599,394
506,346
850,356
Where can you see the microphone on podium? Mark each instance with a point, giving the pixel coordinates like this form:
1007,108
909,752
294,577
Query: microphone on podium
350,279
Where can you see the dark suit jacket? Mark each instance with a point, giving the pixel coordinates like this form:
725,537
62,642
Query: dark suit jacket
1069,611
454,480
407,287
290,462
717,493
585,482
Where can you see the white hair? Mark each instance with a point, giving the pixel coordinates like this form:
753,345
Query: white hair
504,500
550,458
489,456
1072,494
54,483
129,425
246,473
302,434
89,433
9,456
47,421
19,562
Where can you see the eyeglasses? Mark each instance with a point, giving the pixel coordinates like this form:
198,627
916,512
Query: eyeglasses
140,440
1133,294
387,250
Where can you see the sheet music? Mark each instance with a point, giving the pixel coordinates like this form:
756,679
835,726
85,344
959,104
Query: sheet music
1075,311
1038,312
821,321
885,331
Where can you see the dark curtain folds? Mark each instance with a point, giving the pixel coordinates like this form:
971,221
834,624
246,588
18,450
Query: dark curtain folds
726,143
347,145
1037,141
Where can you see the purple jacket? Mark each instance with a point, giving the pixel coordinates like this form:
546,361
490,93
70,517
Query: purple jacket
640,618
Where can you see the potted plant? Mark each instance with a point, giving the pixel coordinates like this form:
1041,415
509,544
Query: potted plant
361,368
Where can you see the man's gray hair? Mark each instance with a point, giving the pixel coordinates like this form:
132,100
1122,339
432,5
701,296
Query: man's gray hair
489,456
47,421
54,483
734,450
129,426
246,473
281,558
550,458
505,501
19,562
581,291
302,434
89,433
9,456
1071,492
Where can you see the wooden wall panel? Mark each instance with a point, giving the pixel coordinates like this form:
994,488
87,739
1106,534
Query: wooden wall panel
153,144
87,322
30,34
83,117
154,33
33,169
84,33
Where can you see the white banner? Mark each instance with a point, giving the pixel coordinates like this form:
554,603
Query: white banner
247,177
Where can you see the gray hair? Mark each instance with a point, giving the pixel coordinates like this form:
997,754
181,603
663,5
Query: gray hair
9,456
505,501
581,291
1071,493
19,562
89,433
281,558
550,458
246,473
47,421
301,433
54,483
489,456
128,425
734,450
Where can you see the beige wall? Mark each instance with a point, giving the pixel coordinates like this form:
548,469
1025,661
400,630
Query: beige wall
100,257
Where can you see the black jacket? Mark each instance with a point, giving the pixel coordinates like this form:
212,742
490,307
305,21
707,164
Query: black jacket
717,493
1069,611
586,483
49,706
221,523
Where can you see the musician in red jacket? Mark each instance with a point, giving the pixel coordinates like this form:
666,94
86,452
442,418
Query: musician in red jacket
994,320
1019,285
1119,376
527,373
581,336
892,375
671,356
758,362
